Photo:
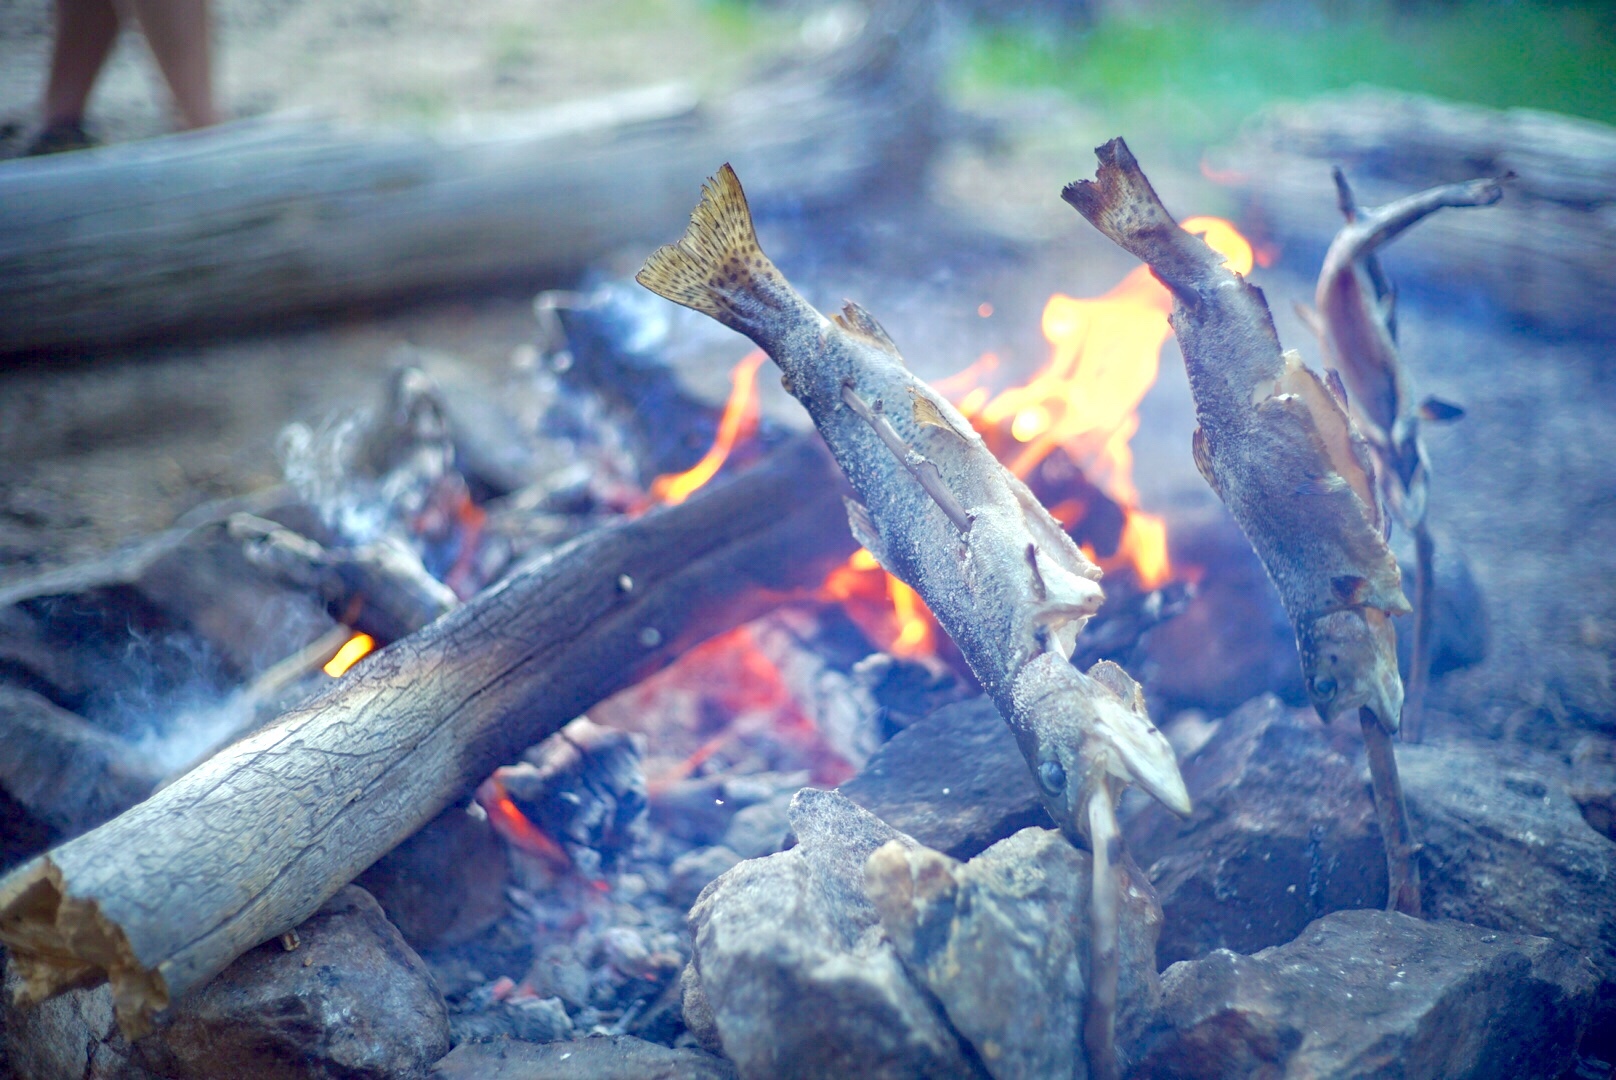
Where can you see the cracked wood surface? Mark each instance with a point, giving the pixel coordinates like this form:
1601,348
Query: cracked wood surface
251,842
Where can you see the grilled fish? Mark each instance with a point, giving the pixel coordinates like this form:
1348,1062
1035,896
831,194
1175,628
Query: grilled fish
1276,444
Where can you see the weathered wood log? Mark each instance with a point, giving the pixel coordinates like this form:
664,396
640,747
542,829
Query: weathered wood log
1546,255
250,843
254,220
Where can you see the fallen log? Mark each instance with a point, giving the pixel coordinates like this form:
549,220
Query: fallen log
254,220
250,843
1545,256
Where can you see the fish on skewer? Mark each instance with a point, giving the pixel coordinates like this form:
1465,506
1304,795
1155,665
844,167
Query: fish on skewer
1355,319
1275,442
940,512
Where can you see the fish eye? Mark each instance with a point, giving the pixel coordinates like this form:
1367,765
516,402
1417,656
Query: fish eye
1051,777
1324,687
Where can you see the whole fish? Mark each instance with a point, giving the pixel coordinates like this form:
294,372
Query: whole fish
1277,445
940,512
1354,317
1356,323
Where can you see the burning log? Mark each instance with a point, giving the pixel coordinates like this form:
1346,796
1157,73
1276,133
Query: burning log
253,220
945,517
1279,449
379,589
1357,328
249,844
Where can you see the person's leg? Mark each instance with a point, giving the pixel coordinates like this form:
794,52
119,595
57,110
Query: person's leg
180,35
85,32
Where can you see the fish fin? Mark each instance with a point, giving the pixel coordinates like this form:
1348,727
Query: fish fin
1203,460
862,525
1438,411
861,324
1332,379
1344,198
928,414
1310,318
717,268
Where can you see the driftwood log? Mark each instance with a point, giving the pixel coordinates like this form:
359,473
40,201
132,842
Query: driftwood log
251,842
259,219
1545,256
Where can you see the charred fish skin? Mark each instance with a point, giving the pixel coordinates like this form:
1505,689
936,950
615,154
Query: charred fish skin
1010,587
1277,446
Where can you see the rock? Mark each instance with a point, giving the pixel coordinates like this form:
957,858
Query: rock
760,829
1284,830
955,781
1505,847
1003,942
71,1035
617,1057
1374,993
1265,851
1461,632
793,969
351,1001
1593,782
692,871
444,885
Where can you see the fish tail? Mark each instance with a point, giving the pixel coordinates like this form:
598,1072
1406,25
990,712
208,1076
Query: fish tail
717,267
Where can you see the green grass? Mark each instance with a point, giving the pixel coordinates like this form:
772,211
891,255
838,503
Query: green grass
1200,68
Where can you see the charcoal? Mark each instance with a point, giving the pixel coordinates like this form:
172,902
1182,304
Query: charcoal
907,690
699,810
444,885
1375,993
352,1000
529,1019
795,977
1002,942
955,781
1461,630
582,785
691,871
617,1057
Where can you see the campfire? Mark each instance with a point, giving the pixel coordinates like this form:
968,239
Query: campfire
593,723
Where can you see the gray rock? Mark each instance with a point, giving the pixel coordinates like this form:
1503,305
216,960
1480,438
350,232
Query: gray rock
1003,943
1373,993
1593,782
692,871
1506,847
1283,832
353,1000
760,829
71,1035
618,1057
794,971
955,781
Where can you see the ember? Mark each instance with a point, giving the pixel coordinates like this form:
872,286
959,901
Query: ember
353,650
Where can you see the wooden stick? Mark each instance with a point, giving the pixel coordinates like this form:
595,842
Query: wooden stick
1403,875
1419,666
250,843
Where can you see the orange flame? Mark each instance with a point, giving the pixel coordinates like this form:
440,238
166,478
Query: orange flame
1105,356
890,613
353,650
738,421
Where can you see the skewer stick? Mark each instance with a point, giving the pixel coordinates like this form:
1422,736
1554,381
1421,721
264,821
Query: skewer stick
1402,873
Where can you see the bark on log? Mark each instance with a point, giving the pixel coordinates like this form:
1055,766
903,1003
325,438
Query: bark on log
1546,255
250,843
259,219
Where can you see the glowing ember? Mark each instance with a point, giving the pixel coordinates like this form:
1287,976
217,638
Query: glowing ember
738,421
353,650
520,832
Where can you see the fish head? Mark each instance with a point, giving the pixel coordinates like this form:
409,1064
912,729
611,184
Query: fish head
1349,662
